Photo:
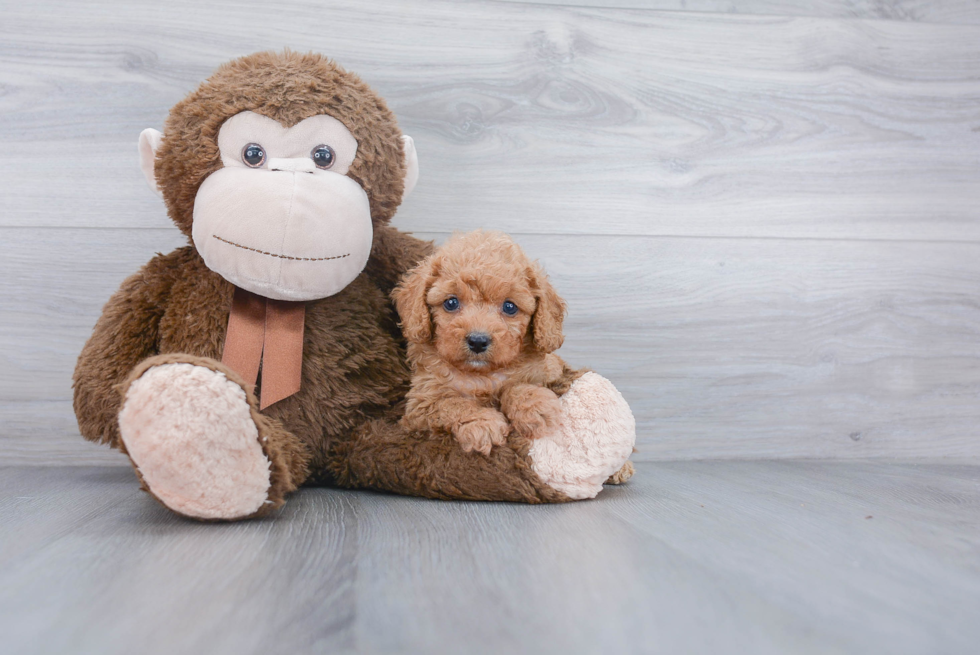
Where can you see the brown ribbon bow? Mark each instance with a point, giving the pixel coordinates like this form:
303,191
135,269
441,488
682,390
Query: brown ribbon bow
267,332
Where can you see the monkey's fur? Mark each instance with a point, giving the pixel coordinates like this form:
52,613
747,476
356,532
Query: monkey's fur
341,427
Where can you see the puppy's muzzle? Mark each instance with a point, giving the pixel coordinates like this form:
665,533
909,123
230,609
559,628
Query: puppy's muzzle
477,342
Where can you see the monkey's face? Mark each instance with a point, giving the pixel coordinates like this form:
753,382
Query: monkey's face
278,167
281,218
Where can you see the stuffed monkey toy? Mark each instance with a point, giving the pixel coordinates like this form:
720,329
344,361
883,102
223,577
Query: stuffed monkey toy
266,354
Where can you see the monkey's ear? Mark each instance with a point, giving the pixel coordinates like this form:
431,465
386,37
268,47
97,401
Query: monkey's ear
548,315
411,165
149,144
409,297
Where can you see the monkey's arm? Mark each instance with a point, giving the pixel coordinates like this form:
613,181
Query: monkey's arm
392,254
125,334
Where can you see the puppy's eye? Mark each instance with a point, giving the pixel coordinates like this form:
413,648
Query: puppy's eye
450,304
509,308
253,155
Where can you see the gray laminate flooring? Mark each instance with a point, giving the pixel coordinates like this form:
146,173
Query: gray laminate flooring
689,557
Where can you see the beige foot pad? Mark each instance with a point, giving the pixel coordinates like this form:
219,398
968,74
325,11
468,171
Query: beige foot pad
191,434
593,442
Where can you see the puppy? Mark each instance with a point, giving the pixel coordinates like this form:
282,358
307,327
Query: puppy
481,321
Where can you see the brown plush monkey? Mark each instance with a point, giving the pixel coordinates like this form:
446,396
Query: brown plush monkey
266,354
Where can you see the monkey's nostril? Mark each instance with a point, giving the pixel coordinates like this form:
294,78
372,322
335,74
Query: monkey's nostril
477,342
291,165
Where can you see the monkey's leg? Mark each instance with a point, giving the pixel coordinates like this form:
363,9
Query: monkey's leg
192,429
384,455
592,442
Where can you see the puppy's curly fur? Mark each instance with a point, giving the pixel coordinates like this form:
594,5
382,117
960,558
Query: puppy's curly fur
480,368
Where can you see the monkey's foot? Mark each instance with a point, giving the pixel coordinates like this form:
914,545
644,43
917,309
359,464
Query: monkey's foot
189,431
593,441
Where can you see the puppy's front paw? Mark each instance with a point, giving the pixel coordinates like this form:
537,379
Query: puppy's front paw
534,411
488,428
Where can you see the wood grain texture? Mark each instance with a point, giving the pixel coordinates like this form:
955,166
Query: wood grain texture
724,348
766,226
45,432
534,118
695,557
927,11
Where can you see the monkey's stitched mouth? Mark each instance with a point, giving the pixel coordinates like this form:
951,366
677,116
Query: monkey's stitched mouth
272,254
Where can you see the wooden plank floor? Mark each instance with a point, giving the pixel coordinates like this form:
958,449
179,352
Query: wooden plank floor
693,557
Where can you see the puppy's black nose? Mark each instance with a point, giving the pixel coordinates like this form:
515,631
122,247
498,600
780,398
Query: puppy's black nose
477,341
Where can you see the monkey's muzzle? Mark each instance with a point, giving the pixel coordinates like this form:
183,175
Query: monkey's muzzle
283,234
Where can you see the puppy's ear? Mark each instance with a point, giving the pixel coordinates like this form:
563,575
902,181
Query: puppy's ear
549,314
409,297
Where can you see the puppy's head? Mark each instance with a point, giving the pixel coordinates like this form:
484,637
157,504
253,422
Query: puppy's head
480,303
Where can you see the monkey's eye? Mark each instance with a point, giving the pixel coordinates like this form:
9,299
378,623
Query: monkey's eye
253,155
450,304
323,156
509,308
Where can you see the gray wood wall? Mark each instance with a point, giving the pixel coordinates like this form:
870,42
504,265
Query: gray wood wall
763,215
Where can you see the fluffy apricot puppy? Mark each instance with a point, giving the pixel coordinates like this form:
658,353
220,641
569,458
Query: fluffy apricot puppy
482,321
